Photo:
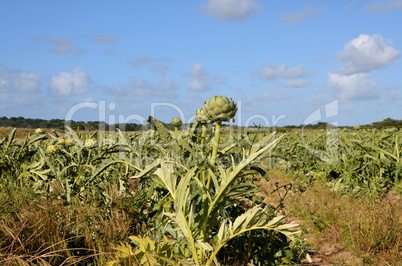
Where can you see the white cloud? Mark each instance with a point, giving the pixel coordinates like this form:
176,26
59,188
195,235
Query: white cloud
67,83
359,58
13,80
367,53
198,85
62,45
141,61
295,83
383,6
317,99
16,104
145,60
19,91
79,51
394,93
197,70
350,4
272,71
138,95
105,39
232,10
319,60
201,79
358,86
27,82
309,11
164,89
274,95
395,96
161,69
109,52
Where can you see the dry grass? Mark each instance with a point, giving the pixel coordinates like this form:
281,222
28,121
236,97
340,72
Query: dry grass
37,231
342,230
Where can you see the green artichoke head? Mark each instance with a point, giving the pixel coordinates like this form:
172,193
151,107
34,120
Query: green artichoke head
201,116
61,142
220,108
176,122
90,143
51,149
68,143
39,131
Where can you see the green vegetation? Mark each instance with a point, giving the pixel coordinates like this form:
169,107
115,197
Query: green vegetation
193,196
363,163
176,201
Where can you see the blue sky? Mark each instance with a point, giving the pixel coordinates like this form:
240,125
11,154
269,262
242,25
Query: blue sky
284,62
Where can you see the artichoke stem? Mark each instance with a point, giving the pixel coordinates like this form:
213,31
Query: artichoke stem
203,134
175,129
216,142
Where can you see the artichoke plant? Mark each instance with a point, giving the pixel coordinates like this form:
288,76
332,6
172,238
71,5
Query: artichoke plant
176,122
202,118
218,109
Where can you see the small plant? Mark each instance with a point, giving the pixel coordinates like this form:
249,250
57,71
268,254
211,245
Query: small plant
39,131
203,119
176,122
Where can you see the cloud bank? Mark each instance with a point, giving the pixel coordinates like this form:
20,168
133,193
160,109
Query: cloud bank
383,6
367,53
231,10
70,83
309,11
359,58
201,79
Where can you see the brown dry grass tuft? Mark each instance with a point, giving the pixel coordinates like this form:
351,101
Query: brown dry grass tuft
34,231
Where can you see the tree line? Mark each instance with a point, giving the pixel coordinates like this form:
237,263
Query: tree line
21,122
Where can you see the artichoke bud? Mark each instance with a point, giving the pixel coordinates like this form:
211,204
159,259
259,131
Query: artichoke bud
68,143
39,131
176,122
51,149
220,108
201,116
90,143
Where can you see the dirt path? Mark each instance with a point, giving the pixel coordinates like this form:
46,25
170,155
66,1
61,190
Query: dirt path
323,251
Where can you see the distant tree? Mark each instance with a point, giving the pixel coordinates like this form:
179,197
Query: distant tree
388,122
